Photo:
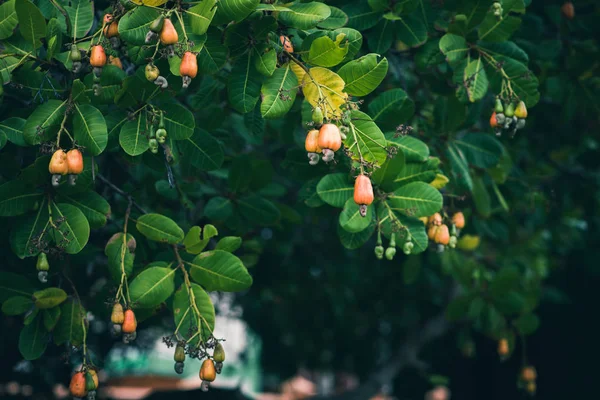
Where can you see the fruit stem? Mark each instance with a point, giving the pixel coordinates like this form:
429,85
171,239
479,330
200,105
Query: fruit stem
187,46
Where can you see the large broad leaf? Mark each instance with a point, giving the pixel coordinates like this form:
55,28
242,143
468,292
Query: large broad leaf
243,86
218,208
414,150
355,240
324,52
381,38
132,138
43,123
8,19
391,108
363,75
135,24
30,230
51,317
305,15
120,251
493,29
193,312
481,197
213,55
17,305
480,150
72,228
69,328
351,219
14,285
32,23
324,88
459,167
202,150
90,128
258,210
235,10
17,197
365,140
361,16
390,169
33,338
91,204
394,221
417,199
265,61
197,238
335,189
179,121
336,19
151,287
49,297
472,80
522,80
414,172
13,129
159,228
200,16
454,47
505,50
220,270
411,30
278,93
81,17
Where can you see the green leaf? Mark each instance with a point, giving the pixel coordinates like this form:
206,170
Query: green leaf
390,169
73,230
363,75
95,208
131,137
202,150
458,308
235,10
33,338
159,228
361,16
356,240
17,305
351,220
70,325
17,197
54,37
90,128
213,55
179,121
506,279
8,19
472,81
325,52
493,29
186,319
336,19
305,15
135,24
381,37
391,108
481,197
522,80
200,16
411,30
220,270
152,287
454,47
13,129
416,199
32,23
480,150
505,50
44,122
265,62
194,242
414,172
278,93
51,317
49,297
81,16
120,251
335,189
243,85
365,139
527,324
414,150
218,208
258,210
459,167
229,243
14,285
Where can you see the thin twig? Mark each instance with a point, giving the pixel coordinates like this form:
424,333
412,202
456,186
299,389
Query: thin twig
121,192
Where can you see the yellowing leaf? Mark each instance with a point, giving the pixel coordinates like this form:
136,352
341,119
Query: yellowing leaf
152,3
324,88
468,242
440,181
298,71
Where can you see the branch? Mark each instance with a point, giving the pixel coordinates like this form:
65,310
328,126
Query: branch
122,193
405,356
66,15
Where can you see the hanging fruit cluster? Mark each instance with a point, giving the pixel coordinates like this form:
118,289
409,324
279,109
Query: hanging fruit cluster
84,383
508,117
438,231
326,139
123,322
503,349
65,163
211,366
497,9
363,193
159,136
527,379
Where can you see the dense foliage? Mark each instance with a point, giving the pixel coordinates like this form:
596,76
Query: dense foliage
425,124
